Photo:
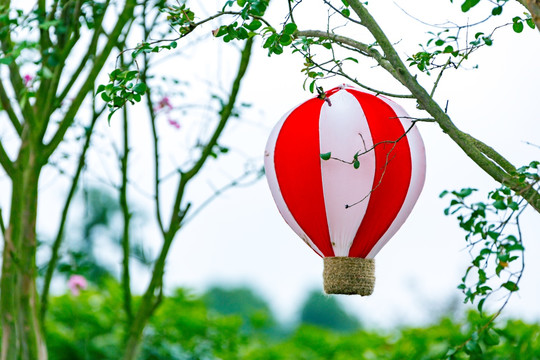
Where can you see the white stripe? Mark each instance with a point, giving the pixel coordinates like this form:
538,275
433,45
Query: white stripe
418,175
340,126
271,177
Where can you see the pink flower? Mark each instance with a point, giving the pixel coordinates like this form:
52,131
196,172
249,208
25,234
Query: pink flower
164,103
27,80
76,283
174,123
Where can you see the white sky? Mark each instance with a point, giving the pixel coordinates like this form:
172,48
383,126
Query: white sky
240,239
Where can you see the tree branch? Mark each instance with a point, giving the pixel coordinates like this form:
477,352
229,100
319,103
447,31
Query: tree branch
147,306
63,219
533,6
6,162
364,49
19,89
126,286
92,47
6,104
125,17
463,140
155,143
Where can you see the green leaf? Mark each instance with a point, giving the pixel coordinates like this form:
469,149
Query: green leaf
269,41
499,205
241,3
518,27
242,33
129,75
497,11
530,22
220,32
439,42
115,73
289,29
326,156
468,4
346,12
481,304
140,88
491,338
118,101
105,97
351,59
463,193
254,25
482,277
356,164
100,88
312,86
511,286
472,347
6,60
285,39
448,49
110,116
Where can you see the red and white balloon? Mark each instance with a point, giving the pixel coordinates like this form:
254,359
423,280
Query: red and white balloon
338,209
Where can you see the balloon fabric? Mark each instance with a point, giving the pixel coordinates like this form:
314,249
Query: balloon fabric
345,170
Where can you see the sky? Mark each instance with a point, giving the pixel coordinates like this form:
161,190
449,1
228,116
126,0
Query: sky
240,238
419,269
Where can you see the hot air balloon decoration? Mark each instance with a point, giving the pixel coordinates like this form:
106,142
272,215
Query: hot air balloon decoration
345,170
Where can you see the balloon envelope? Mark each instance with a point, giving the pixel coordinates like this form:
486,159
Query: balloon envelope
353,202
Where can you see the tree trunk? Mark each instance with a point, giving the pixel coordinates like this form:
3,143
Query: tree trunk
22,336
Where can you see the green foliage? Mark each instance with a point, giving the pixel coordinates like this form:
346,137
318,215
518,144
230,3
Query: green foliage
430,342
441,43
493,248
326,156
124,86
324,311
253,310
89,326
493,237
181,17
251,13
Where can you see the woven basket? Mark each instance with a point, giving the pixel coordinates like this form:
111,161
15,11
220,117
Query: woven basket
349,275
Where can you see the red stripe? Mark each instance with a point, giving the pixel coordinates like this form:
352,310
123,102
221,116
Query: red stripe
298,169
393,167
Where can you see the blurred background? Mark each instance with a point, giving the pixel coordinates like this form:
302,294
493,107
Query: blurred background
236,268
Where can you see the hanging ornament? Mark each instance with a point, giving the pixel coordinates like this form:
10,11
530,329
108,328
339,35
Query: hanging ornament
345,170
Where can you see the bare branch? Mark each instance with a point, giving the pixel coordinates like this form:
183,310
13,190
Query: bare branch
6,162
6,104
2,224
444,67
125,17
147,306
63,219
364,49
234,183
126,214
